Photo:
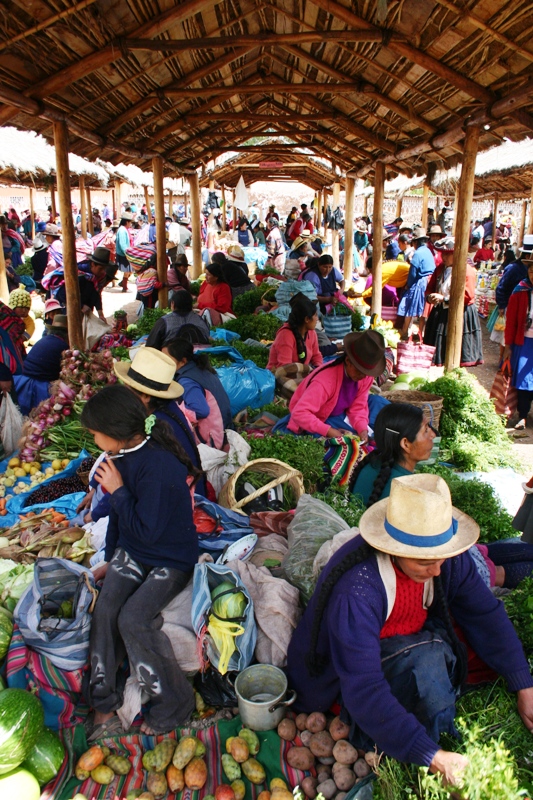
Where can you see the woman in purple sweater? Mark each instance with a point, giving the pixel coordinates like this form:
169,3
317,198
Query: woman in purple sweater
377,636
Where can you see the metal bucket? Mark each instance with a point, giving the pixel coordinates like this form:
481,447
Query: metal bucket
261,691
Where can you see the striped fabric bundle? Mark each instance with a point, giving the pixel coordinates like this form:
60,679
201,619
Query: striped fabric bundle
342,455
141,257
65,641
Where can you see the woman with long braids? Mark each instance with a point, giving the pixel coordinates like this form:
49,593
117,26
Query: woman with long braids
150,551
295,351
377,636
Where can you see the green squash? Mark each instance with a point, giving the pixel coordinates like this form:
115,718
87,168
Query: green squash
46,757
6,631
21,722
19,785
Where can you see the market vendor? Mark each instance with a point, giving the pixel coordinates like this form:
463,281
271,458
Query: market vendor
93,276
235,270
13,334
42,365
215,299
326,279
377,635
295,350
393,277
340,389
149,367
181,322
151,548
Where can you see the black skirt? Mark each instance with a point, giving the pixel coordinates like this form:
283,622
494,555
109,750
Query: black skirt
523,520
437,328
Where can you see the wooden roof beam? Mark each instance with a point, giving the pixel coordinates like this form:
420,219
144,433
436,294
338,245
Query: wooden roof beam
263,38
266,88
413,54
214,116
46,23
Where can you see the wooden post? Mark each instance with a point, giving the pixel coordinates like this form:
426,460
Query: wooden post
83,207
118,199
223,207
4,289
377,238
53,201
494,217
90,223
463,212
70,267
160,230
147,204
32,214
316,220
194,185
365,206
234,211
455,200
211,185
425,203
530,221
399,203
170,202
113,204
325,208
349,213
335,234
522,227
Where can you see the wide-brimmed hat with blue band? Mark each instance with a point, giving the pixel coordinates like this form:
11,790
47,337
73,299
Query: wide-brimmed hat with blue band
418,521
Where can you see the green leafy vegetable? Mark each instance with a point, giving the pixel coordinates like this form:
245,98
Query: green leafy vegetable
121,353
194,287
301,452
255,326
357,320
348,506
519,607
247,302
148,320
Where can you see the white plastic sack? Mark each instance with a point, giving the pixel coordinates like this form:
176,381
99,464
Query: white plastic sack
93,329
11,421
328,549
218,465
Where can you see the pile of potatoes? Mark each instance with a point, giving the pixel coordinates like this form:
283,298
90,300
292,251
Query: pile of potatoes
339,765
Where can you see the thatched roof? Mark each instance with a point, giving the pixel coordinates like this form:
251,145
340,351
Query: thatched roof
26,158
357,81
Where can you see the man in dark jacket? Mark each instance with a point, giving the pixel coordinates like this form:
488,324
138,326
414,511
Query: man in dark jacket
513,273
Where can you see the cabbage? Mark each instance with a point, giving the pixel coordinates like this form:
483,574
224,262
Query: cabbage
14,583
228,606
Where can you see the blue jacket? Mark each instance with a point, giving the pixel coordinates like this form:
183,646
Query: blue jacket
194,380
422,264
349,637
513,273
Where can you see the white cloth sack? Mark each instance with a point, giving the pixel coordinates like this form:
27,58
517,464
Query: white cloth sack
218,465
11,421
329,549
93,329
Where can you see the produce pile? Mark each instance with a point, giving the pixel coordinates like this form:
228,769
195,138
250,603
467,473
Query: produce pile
54,431
42,535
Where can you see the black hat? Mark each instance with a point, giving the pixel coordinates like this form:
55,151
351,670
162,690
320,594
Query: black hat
102,256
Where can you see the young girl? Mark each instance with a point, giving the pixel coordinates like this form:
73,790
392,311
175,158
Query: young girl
151,549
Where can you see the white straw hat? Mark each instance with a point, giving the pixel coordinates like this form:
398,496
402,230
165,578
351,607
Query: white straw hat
418,521
150,372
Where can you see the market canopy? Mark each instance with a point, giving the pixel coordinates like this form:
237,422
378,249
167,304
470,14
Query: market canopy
393,81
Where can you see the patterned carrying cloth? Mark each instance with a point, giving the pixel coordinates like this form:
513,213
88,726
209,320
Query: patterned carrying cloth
142,256
342,455
289,376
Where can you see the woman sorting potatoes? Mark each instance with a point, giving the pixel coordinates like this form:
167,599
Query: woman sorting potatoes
378,639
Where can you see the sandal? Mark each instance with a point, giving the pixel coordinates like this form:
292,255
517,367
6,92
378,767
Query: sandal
113,727
520,425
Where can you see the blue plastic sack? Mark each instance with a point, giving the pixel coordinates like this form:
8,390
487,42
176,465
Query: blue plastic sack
234,526
222,333
206,578
244,382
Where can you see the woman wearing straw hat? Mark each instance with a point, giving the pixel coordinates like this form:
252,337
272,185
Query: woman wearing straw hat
377,636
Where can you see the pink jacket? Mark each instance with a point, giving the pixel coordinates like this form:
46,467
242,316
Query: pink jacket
316,397
284,351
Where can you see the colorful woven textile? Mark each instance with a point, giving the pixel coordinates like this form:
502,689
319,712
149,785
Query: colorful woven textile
341,456
271,755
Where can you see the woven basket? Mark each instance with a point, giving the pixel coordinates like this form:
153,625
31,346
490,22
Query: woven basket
83,475
280,472
419,399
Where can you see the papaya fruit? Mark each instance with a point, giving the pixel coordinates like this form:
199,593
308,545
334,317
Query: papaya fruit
195,774
91,759
146,796
239,750
239,789
201,749
149,760
277,783
231,769
81,774
163,753
228,744
184,752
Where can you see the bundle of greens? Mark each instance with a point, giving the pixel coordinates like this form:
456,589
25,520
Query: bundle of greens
194,287
302,452
473,435
259,355
255,326
247,302
357,320
348,506
479,501
148,320
25,268
121,353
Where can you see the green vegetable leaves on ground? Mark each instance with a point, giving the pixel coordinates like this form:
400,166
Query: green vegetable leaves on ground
473,434
247,302
255,326
302,452
148,320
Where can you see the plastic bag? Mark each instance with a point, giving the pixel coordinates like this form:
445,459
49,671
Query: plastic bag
216,689
314,523
226,528
219,465
288,289
93,329
11,421
244,382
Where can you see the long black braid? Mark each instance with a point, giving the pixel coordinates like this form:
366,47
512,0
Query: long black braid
443,613
301,309
316,662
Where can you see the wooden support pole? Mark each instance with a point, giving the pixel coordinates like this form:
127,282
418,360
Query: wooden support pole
53,201
494,219
365,206
160,230
223,208
118,199
349,213
196,227
455,199
83,207
70,266
324,211
147,204
530,221
425,204
463,213
377,240
170,202
399,202
113,204
234,211
32,214
4,289
522,227
211,185
90,223
335,235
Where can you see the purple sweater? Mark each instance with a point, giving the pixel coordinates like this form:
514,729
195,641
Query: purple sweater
351,626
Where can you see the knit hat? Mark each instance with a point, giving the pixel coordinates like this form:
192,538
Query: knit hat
418,520
19,298
52,305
